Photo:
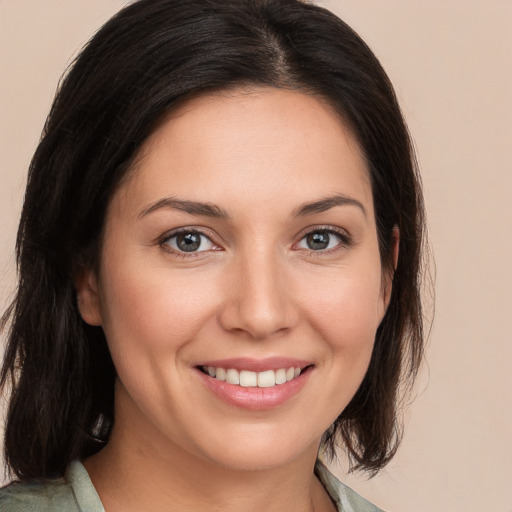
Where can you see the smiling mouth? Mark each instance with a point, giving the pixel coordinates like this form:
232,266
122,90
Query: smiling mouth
248,379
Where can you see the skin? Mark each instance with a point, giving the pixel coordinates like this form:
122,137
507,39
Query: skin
256,290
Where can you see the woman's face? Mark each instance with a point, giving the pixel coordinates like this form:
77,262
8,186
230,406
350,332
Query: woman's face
243,244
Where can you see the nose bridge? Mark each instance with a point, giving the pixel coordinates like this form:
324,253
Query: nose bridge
258,302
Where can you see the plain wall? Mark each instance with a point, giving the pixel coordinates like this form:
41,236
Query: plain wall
450,61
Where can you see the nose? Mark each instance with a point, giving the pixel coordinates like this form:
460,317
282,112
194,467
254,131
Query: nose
258,301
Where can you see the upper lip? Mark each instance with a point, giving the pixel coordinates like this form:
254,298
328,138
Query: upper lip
257,365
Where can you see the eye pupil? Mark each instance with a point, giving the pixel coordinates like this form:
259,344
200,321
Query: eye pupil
318,240
189,242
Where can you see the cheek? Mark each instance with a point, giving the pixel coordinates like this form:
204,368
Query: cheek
346,308
349,322
343,312
150,310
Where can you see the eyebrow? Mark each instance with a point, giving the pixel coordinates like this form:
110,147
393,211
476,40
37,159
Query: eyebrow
192,207
326,204
212,210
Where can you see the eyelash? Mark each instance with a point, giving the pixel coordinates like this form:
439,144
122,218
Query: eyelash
345,241
343,237
164,242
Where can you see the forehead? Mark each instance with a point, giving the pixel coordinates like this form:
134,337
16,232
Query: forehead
253,148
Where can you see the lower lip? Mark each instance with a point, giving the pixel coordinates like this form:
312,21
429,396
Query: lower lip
254,398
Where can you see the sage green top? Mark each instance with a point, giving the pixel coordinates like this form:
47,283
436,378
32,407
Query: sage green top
75,493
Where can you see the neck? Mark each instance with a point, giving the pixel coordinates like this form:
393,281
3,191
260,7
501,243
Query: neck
131,480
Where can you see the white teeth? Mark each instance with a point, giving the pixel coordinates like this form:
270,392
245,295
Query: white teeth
267,379
232,376
281,376
246,378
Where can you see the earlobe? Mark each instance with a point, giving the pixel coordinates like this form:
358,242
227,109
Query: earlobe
88,298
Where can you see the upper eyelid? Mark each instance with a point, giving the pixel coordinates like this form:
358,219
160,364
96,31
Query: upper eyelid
178,231
345,240
163,243
169,235
327,228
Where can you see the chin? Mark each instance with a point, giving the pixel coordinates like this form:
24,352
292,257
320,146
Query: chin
256,450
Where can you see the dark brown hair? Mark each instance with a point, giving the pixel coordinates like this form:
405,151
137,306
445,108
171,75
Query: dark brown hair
146,60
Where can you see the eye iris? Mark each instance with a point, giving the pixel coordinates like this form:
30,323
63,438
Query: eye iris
188,242
318,240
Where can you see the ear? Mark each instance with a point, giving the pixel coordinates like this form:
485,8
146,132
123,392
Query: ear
387,281
87,297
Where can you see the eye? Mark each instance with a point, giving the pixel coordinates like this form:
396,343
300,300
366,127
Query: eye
188,241
322,240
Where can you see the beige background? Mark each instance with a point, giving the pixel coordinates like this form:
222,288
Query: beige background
450,61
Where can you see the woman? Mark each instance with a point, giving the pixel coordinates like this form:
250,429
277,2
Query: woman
219,259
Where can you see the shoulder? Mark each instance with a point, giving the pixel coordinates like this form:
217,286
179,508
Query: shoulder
72,493
52,496
346,499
